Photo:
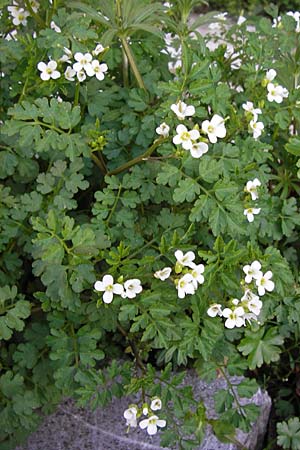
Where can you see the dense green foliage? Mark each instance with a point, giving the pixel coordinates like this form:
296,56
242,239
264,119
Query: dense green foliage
88,188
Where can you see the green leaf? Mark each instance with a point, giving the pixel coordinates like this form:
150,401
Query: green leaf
187,190
289,434
261,347
293,146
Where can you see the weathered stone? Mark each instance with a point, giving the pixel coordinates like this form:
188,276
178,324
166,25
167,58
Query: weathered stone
73,428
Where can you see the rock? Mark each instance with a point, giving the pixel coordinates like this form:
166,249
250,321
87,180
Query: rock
73,428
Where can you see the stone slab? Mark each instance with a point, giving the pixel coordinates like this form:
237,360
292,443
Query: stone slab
73,428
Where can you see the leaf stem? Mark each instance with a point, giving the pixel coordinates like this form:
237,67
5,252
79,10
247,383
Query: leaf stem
36,17
138,159
132,63
99,163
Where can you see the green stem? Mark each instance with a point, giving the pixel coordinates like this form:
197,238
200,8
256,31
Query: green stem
132,63
236,399
133,347
76,96
114,205
23,90
138,159
75,345
125,68
36,17
46,125
99,163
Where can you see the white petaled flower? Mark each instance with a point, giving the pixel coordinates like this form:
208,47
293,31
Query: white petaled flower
182,110
130,416
109,288
48,70
198,149
145,409
163,130
264,283
254,305
296,16
174,65
19,15
55,27
241,20
256,128
156,404
215,310
249,107
98,49
251,187
185,137
70,74
270,75
185,285
277,23
132,288
81,75
215,128
250,212
83,61
97,69
151,424
185,259
34,5
196,273
276,93
163,274
234,317
66,57
248,296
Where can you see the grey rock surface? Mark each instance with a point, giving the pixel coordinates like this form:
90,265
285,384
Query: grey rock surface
73,428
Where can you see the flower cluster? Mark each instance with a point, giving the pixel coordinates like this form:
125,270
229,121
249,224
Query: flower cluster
175,54
129,289
252,113
277,21
276,92
189,274
241,311
83,66
252,189
19,14
151,423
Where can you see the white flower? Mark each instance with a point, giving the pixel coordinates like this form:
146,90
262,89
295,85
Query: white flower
83,61
277,22
185,137
250,212
132,288
254,305
221,16
130,416
66,56
234,317
185,259
249,107
215,128
97,69
34,5
252,271
163,274
156,404
215,310
81,75
241,20
109,288
48,70
182,110
270,75
196,273
276,93
296,16
185,285
151,424
256,128
54,27
251,187
19,15
173,66
163,130
264,283
198,149
98,49
70,74
145,409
